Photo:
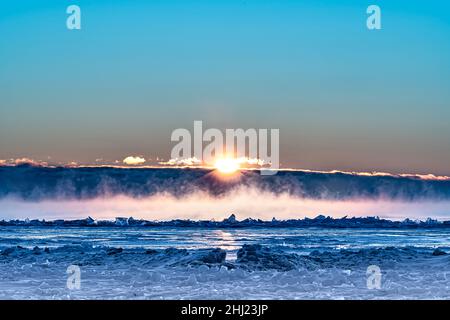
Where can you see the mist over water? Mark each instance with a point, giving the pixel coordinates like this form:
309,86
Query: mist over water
165,194
244,203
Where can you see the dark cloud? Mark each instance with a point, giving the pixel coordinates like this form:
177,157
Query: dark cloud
38,183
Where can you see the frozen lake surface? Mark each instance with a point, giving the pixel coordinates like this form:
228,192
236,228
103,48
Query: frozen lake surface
230,263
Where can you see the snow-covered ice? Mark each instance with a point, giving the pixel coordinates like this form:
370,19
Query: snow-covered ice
243,263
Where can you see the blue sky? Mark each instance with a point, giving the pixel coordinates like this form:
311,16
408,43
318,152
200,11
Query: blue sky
342,96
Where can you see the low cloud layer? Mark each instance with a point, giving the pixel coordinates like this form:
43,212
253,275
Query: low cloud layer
37,183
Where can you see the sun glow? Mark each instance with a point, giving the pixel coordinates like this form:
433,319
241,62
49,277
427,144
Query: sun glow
227,165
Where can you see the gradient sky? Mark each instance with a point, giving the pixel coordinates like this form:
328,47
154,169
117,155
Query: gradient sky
342,96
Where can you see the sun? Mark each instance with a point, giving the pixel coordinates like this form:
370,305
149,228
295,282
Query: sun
227,165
